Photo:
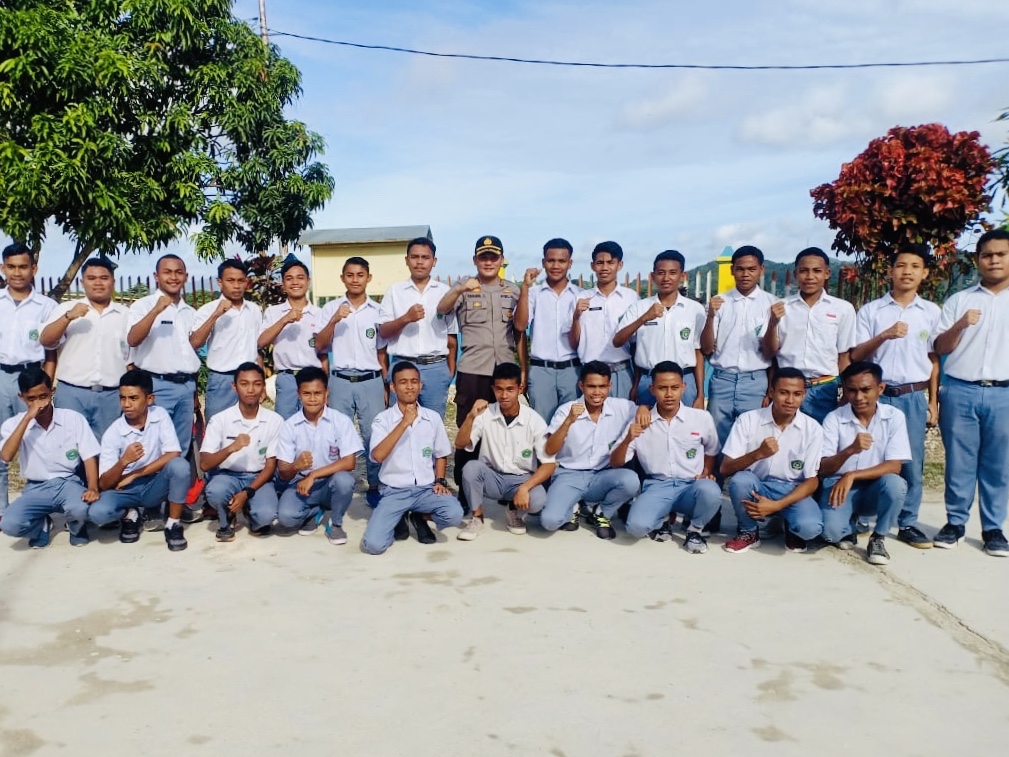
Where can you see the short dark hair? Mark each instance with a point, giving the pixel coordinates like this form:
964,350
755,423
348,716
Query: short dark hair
17,248
613,249
912,248
787,373
859,367
425,242
294,263
815,252
748,250
595,368
506,372
557,243
31,377
248,365
311,373
400,366
673,255
98,263
356,260
167,256
666,366
992,235
235,263
139,378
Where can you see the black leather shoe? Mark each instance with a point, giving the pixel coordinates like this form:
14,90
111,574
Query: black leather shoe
424,533
402,530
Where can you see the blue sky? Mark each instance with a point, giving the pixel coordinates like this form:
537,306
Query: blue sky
653,159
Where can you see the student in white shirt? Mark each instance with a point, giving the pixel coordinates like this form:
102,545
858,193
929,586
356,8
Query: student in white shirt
410,444
813,332
239,454
974,407
50,444
229,326
513,464
677,452
773,456
666,327
91,337
864,446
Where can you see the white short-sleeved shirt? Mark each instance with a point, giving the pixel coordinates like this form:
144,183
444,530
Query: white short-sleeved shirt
675,336
294,347
811,338
54,452
428,336
263,431
600,322
332,438
739,325
904,360
588,444
233,338
355,339
550,316
93,350
157,437
22,324
675,448
166,348
411,462
800,445
982,354
516,448
888,428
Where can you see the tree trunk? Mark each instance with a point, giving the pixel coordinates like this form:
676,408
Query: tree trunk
82,254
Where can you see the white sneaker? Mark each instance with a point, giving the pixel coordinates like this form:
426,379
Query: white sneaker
471,530
516,523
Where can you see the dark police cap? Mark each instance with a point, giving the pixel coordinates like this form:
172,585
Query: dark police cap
489,244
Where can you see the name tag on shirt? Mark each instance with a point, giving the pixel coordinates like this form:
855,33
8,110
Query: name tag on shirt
592,310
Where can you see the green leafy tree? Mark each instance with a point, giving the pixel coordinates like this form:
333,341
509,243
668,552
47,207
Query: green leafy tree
129,122
1002,171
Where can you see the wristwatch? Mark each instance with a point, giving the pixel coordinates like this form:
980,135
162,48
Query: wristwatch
249,492
442,482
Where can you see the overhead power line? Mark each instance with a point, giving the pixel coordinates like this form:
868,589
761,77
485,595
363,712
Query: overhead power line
693,66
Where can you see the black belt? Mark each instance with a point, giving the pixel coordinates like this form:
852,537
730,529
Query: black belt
557,365
20,367
356,378
899,390
986,383
176,378
92,388
221,373
423,359
289,371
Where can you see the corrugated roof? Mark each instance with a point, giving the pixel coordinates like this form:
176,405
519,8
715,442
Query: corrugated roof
365,235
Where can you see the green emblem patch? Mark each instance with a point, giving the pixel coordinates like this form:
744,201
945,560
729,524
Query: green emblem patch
33,335
262,450
756,331
311,341
72,454
798,464
685,334
370,333
691,453
923,335
527,453
427,452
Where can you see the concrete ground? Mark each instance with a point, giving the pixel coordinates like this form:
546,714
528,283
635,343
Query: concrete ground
534,645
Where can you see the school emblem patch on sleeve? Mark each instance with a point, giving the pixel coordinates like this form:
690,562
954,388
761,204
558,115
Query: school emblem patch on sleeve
685,334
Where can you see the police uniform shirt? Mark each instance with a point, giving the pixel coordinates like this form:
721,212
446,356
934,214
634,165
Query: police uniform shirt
294,347
355,338
22,324
93,350
485,323
233,338
888,428
550,316
166,348
515,448
674,336
332,438
982,354
263,431
904,360
811,338
739,325
588,444
157,437
428,336
53,452
800,445
599,323
676,448
411,461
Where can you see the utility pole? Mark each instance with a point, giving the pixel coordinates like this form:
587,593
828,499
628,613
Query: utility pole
262,23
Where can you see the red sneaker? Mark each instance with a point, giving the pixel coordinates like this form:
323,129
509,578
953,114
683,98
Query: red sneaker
742,541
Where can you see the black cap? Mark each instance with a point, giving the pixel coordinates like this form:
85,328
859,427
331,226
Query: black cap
489,244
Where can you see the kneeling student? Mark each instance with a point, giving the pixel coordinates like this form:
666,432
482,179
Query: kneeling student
513,463
865,445
773,456
316,452
140,465
581,435
410,444
677,452
240,450
50,444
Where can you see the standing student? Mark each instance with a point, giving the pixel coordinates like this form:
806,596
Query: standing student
812,331
91,337
596,315
666,327
358,363
229,326
292,327
414,328
22,313
547,309
974,412
897,332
